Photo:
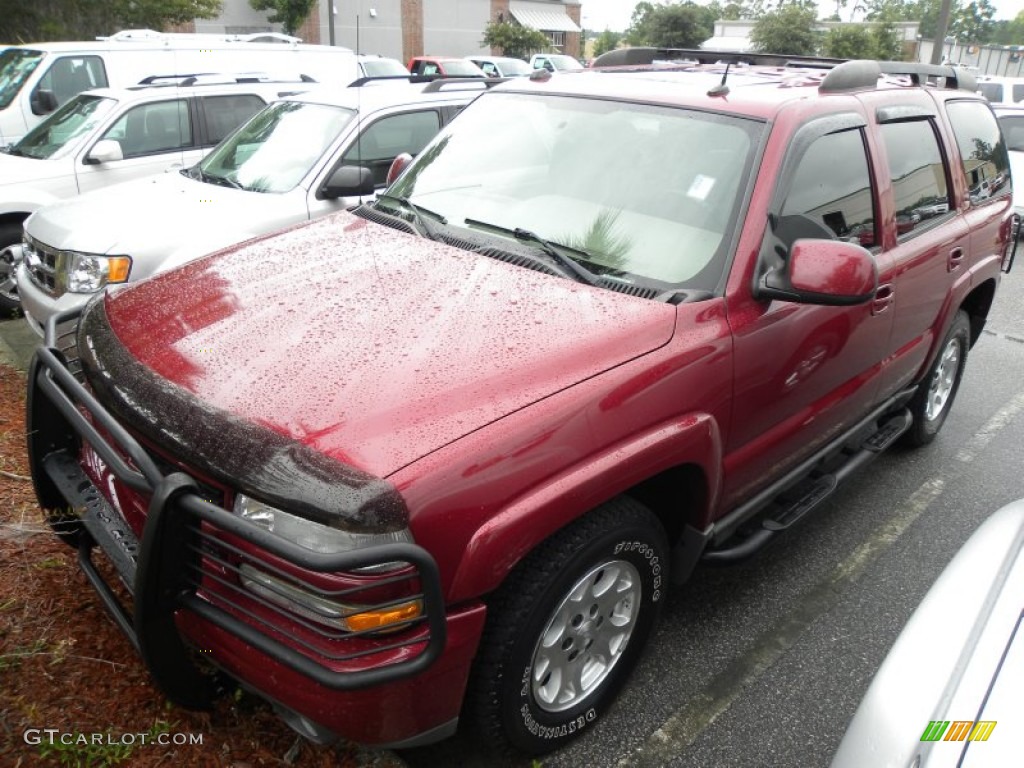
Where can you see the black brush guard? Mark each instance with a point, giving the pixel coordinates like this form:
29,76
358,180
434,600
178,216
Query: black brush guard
183,536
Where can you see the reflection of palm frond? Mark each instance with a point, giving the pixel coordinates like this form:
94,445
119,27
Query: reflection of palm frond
601,241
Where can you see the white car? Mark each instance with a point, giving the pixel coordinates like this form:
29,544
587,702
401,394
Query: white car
1001,90
1011,120
949,692
502,66
36,79
107,136
295,160
554,62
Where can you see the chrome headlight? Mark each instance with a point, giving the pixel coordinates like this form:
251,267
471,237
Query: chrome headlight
349,614
312,536
88,273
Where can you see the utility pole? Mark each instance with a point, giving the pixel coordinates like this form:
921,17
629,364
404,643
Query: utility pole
940,32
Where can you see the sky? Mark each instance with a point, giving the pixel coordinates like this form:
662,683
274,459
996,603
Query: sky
615,14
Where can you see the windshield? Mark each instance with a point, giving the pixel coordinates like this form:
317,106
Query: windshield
564,63
16,64
647,193
383,68
514,67
64,129
277,147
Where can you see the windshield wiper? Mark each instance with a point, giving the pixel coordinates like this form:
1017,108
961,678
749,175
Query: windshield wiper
419,213
556,251
222,181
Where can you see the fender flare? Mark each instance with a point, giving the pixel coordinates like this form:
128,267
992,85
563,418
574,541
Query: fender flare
508,536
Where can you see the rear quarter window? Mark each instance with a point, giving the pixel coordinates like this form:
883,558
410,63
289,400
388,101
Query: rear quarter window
982,147
225,113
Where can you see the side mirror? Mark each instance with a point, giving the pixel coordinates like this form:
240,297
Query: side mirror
105,151
348,181
822,272
399,164
42,101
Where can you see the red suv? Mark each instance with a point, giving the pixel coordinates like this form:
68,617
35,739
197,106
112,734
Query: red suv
447,453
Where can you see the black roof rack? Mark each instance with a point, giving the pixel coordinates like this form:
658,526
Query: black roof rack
843,75
864,73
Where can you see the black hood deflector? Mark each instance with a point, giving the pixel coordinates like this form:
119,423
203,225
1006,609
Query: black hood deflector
242,455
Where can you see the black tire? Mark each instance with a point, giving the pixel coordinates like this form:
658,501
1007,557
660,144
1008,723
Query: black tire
514,698
935,396
10,304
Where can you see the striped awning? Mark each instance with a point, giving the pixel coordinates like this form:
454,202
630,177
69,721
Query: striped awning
547,17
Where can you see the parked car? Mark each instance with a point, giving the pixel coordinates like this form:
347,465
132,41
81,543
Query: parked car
444,67
949,691
446,454
291,162
1001,90
554,62
501,66
380,66
107,136
1011,120
36,79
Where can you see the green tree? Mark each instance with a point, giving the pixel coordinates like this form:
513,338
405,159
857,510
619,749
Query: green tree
679,26
290,14
515,40
606,41
42,20
879,41
969,22
1009,32
848,42
886,42
787,30
638,33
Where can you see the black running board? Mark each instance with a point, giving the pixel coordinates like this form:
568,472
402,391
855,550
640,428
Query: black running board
799,500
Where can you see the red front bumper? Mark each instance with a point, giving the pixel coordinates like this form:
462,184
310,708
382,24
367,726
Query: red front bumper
391,714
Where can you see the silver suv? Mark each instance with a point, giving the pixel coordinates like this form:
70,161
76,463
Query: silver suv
106,136
297,159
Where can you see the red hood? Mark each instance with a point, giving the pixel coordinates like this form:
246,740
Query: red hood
373,346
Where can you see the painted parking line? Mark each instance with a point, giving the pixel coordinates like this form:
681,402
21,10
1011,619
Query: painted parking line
684,726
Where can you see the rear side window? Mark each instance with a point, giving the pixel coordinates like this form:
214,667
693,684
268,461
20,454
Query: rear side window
982,149
1013,132
390,136
70,75
830,195
225,113
147,129
917,171
991,91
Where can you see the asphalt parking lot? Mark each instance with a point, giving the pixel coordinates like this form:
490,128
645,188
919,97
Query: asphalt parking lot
763,664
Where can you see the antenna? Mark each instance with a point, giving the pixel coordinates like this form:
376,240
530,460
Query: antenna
721,89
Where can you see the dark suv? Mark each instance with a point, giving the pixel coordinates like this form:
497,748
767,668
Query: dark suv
447,453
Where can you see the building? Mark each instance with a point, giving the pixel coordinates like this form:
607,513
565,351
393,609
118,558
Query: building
406,28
